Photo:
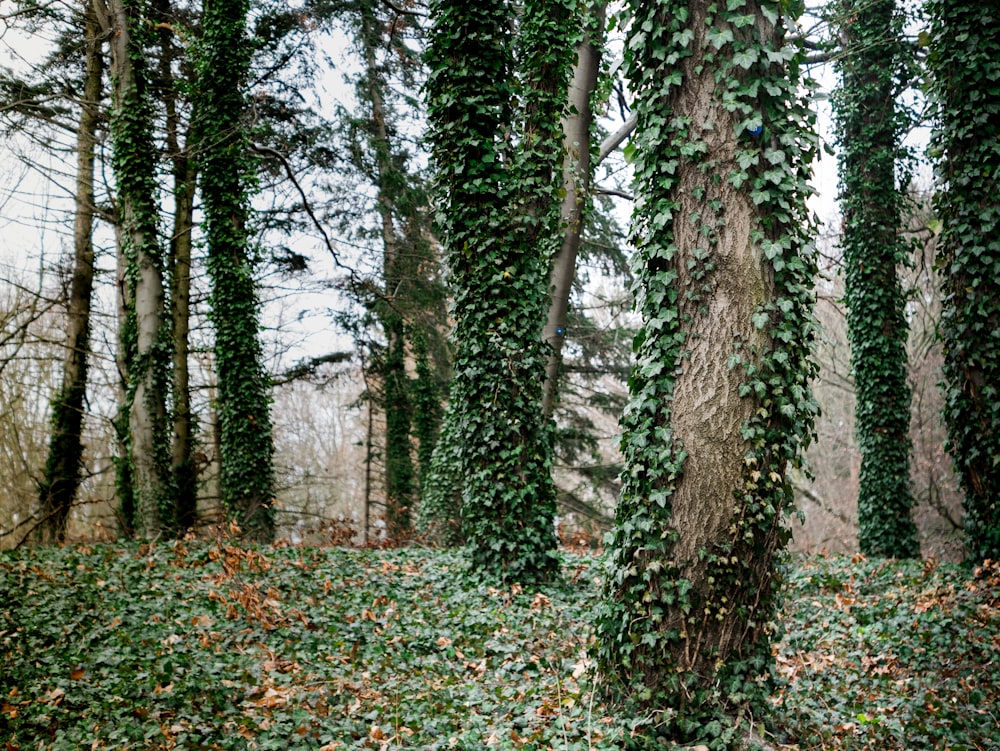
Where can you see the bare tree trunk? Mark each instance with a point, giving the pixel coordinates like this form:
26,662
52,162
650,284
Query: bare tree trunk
184,177
62,469
576,183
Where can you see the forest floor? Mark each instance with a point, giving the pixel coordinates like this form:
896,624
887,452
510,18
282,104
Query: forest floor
210,645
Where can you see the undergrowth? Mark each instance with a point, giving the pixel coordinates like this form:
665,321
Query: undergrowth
215,646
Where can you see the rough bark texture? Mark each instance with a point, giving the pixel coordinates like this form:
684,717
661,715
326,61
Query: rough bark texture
62,470
720,404
717,301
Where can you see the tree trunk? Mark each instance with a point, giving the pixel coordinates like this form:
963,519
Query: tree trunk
576,184
501,233
134,158
62,469
227,173
720,405
870,130
184,182
965,43
124,354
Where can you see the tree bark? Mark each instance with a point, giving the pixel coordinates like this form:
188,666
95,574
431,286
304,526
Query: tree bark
62,470
720,405
576,184
134,158
184,175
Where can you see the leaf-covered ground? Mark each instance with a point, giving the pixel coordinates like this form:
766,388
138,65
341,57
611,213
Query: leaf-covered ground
214,646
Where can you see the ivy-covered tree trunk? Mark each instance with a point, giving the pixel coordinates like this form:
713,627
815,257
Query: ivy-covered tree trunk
870,127
964,64
499,217
124,354
61,481
227,175
145,335
720,403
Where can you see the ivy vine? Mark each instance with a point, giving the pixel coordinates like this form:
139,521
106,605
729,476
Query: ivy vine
227,179
684,636
495,99
964,88
874,65
145,482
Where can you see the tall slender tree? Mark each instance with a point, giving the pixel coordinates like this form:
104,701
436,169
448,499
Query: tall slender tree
964,65
577,142
145,331
391,182
183,176
227,177
720,403
495,99
872,65
61,480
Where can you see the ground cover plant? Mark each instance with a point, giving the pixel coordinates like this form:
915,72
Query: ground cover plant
212,645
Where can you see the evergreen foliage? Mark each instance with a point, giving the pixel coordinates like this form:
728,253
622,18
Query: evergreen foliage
496,90
873,67
400,477
964,87
685,644
227,177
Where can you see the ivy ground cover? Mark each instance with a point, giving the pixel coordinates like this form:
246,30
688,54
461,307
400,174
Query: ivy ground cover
210,645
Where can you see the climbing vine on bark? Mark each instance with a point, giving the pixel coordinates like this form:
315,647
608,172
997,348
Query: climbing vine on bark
227,179
964,86
496,92
145,478
720,404
873,65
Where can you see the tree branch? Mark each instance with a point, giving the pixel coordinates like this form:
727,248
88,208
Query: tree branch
613,141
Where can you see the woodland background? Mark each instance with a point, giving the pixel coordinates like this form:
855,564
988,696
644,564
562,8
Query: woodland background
319,226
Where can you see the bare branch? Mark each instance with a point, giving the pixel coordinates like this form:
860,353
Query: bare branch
613,141
396,9
614,192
